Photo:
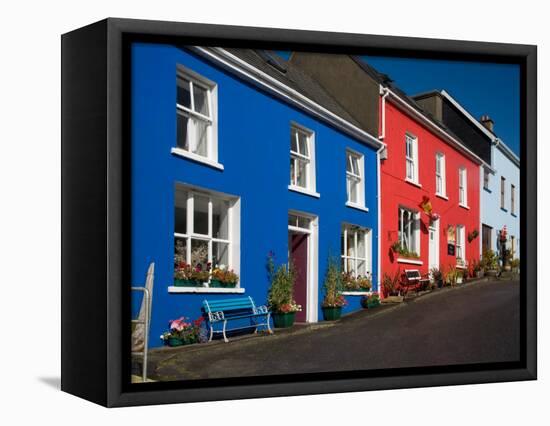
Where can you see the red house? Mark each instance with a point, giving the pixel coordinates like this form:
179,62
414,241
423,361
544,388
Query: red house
429,186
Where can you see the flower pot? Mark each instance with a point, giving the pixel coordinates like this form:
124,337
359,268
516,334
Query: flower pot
439,283
491,273
229,285
374,304
331,313
283,320
174,341
187,283
216,283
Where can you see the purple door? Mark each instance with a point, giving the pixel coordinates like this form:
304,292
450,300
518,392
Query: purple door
298,253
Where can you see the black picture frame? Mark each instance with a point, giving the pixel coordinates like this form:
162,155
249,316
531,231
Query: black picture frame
95,164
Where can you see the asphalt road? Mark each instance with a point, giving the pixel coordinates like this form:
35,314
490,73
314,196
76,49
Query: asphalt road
476,323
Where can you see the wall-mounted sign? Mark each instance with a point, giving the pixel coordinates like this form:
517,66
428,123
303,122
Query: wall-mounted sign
451,249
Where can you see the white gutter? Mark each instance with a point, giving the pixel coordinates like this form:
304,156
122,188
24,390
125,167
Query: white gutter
457,144
379,215
274,86
507,151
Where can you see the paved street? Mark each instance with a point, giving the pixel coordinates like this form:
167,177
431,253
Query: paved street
475,323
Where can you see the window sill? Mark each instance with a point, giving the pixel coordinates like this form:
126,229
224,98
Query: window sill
464,206
504,210
357,206
442,196
487,190
174,289
356,293
197,158
304,191
413,183
461,266
514,215
410,261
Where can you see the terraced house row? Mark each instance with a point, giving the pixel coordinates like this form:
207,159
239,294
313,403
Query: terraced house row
239,153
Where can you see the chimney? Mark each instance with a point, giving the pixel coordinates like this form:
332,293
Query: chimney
487,122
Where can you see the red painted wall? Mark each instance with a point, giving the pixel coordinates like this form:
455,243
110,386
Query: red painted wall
395,192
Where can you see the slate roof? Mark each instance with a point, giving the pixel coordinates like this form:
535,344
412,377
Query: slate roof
288,74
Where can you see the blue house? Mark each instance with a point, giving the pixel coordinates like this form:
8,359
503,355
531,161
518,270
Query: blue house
236,154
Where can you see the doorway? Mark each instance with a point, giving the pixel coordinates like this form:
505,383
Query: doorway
302,244
434,245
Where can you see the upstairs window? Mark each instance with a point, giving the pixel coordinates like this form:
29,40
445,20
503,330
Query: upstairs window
196,112
440,181
355,184
513,199
462,187
411,158
485,179
302,159
502,192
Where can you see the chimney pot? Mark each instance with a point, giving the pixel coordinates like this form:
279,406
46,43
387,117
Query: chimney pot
487,122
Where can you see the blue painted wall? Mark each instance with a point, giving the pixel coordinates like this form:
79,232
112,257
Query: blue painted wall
253,146
491,212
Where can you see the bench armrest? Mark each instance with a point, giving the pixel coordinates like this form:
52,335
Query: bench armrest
216,316
261,309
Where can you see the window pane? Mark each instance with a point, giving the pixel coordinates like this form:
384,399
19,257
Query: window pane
293,140
184,93
353,191
301,174
361,267
351,243
355,165
181,211
302,144
292,171
183,132
303,222
200,137
220,254
350,264
200,216
220,219
180,251
199,253
200,96
361,245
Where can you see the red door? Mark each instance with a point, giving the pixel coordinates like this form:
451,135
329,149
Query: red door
298,253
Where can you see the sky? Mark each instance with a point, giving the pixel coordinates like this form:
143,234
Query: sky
481,88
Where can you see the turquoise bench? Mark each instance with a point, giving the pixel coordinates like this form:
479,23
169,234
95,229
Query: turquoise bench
224,311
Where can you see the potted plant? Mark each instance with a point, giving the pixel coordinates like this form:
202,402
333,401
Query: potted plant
514,263
280,298
221,276
459,277
489,262
359,283
183,332
437,277
391,288
371,301
333,300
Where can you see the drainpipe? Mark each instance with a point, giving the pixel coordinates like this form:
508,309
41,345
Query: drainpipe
384,92
379,199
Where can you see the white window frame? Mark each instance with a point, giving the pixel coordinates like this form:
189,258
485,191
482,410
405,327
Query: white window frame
357,176
411,158
358,232
440,175
211,157
413,230
309,160
233,230
462,187
461,244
